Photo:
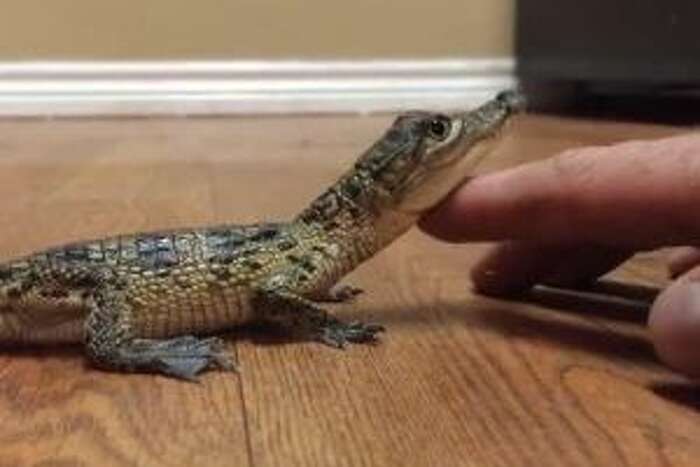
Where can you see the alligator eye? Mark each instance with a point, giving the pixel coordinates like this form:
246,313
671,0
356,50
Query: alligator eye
439,128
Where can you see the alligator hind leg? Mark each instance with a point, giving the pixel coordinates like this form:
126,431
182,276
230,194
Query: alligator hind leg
111,343
183,357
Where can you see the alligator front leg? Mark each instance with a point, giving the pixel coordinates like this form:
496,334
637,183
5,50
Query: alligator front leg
112,344
304,317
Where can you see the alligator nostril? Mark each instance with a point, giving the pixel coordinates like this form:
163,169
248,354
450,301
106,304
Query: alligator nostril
513,99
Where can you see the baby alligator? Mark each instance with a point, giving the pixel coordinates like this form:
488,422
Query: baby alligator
142,302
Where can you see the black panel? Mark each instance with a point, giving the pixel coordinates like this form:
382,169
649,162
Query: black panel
644,42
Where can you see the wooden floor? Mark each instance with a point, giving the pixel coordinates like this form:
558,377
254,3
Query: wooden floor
458,379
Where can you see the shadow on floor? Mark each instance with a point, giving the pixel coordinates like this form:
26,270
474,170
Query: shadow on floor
595,310
685,394
583,335
62,352
606,319
606,299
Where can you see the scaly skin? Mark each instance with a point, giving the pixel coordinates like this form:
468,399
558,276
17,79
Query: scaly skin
137,301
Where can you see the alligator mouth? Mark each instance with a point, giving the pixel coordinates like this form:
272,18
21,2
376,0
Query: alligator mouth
490,116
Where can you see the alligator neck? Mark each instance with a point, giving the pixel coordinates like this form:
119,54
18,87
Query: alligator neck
351,215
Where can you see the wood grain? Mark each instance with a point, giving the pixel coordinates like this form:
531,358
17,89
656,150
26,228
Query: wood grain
459,380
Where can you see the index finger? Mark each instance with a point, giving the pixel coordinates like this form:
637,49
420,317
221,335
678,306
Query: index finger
634,194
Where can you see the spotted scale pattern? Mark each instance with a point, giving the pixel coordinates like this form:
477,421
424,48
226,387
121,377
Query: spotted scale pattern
186,281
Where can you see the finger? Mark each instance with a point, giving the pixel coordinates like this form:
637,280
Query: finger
674,324
636,194
513,267
683,259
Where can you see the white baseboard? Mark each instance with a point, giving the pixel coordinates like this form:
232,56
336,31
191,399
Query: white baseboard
244,87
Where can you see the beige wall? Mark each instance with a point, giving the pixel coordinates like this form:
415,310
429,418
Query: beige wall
150,29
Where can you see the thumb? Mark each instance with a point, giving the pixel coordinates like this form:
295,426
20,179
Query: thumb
674,324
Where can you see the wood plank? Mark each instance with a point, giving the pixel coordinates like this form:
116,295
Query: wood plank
457,380
63,181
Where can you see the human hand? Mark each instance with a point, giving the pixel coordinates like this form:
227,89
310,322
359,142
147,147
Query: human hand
578,215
